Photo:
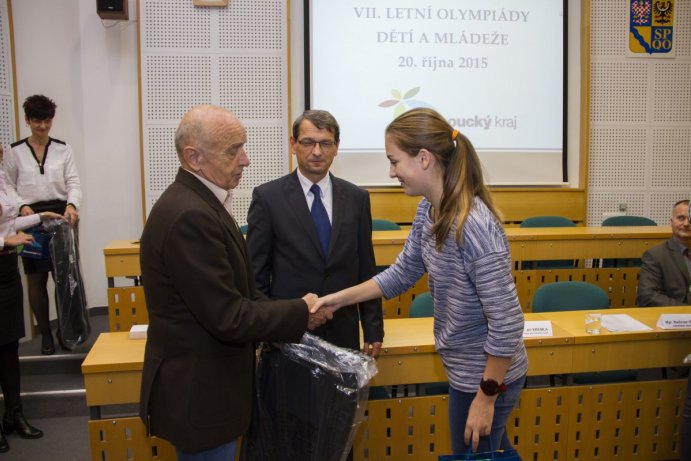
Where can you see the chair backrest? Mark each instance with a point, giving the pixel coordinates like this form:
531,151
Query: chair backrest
625,221
628,221
569,296
422,305
384,224
547,221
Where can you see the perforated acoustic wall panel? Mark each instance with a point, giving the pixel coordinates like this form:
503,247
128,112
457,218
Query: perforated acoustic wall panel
7,122
640,119
234,57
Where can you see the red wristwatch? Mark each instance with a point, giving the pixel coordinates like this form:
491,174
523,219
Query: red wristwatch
491,387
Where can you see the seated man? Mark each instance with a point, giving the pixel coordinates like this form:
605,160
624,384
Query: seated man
665,280
665,276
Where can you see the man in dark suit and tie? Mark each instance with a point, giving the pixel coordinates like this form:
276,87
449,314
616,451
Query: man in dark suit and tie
311,231
665,280
665,276
205,314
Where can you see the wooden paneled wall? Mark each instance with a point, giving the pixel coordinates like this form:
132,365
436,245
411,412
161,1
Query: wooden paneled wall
515,204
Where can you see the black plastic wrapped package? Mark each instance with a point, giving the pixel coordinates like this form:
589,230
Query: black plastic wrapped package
310,399
70,298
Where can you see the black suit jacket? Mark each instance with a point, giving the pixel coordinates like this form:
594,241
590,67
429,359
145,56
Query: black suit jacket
664,278
288,259
204,317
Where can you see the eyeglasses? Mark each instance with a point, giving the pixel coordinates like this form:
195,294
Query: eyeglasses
310,143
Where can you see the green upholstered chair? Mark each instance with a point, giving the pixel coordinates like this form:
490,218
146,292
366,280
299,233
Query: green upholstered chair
569,296
384,224
423,306
625,221
548,221
628,221
575,296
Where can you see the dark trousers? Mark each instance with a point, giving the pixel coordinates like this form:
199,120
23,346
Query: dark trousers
9,373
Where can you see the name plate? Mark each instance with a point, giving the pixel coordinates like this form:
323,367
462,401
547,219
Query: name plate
537,329
674,321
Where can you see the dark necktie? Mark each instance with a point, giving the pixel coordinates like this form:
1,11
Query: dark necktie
687,253
321,219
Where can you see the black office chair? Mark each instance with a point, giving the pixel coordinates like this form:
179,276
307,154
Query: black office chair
548,221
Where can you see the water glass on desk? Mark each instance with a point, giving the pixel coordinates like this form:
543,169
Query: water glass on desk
592,323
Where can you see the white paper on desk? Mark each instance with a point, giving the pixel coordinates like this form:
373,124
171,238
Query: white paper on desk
537,328
622,322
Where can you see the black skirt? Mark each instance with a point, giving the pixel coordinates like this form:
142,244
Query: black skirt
11,300
36,266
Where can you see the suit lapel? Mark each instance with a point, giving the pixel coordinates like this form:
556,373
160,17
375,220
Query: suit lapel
679,261
298,205
193,183
338,210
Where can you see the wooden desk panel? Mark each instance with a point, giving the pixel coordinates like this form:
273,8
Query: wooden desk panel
122,256
626,350
112,372
515,204
112,369
408,354
529,244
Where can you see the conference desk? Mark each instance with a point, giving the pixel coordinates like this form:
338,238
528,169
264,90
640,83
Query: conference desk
641,417
127,305
587,245
122,256
551,243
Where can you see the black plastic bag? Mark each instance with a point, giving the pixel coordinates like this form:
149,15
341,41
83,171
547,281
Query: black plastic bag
70,298
310,399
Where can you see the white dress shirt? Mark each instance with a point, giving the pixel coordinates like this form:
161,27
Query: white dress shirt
223,196
327,192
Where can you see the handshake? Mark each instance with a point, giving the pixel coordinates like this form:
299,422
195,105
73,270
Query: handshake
319,314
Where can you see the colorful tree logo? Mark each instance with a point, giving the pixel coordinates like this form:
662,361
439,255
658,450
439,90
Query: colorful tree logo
403,103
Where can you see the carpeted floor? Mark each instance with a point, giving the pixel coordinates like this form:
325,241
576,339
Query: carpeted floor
64,439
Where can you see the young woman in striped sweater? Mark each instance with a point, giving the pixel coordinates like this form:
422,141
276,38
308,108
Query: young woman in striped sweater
458,239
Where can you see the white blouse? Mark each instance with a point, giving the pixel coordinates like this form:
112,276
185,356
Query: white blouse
10,223
55,178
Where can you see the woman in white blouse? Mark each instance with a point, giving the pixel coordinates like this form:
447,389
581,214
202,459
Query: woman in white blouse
11,309
41,171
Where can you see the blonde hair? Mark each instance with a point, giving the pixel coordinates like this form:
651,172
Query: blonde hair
462,171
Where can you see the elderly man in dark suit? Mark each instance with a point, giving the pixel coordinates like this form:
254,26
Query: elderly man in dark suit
205,314
311,231
665,276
